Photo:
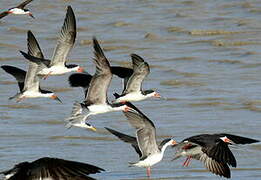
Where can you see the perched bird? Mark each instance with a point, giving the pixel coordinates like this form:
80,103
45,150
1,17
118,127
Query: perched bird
29,82
144,143
51,169
20,9
58,66
212,150
96,101
133,84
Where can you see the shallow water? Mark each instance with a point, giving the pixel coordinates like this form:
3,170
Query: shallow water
205,61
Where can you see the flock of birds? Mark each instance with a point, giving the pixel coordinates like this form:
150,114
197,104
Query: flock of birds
211,149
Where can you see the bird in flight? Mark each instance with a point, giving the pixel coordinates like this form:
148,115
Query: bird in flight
20,9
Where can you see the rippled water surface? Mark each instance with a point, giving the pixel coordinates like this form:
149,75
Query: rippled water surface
205,59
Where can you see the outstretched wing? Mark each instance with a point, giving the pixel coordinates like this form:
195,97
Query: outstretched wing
23,4
140,71
52,168
66,39
220,152
215,167
97,92
238,139
146,132
18,73
127,139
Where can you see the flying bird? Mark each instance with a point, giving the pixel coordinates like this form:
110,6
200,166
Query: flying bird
212,150
51,169
96,101
144,143
58,65
20,9
29,82
133,84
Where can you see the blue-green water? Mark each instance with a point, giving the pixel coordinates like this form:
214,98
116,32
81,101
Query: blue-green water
205,61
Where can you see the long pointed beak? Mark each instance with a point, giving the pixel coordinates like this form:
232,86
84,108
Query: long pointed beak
93,129
157,95
54,97
174,143
80,70
90,127
31,15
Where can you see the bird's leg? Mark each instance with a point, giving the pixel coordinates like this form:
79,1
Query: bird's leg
47,75
185,162
148,171
189,160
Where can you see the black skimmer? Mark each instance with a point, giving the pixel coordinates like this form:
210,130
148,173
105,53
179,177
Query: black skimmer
20,9
133,87
58,66
29,82
96,101
51,169
212,150
144,143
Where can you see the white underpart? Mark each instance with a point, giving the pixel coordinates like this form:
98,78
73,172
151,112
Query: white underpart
78,117
33,94
154,158
57,70
80,124
18,11
104,108
150,160
134,96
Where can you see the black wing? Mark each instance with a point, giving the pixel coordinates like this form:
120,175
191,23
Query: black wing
23,4
221,153
19,74
238,139
52,168
80,80
127,139
37,60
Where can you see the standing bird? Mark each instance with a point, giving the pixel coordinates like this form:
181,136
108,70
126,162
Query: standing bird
18,10
133,85
51,169
58,66
212,150
96,101
144,143
29,82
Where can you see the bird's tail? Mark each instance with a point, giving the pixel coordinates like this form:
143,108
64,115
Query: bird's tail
77,115
17,96
132,164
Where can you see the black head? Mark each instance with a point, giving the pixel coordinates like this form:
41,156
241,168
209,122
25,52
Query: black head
70,66
26,10
148,92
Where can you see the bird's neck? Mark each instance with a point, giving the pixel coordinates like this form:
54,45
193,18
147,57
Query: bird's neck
164,147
